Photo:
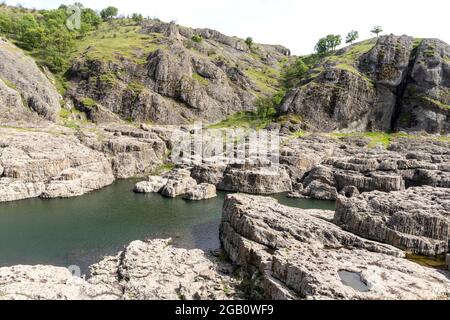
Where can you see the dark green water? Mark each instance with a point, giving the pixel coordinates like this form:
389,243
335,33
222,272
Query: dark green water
80,231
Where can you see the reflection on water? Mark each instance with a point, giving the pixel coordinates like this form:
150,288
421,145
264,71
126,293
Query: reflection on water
79,231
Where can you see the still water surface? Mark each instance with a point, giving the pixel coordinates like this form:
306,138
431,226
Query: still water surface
80,231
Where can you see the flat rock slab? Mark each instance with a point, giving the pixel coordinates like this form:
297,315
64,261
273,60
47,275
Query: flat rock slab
416,220
302,255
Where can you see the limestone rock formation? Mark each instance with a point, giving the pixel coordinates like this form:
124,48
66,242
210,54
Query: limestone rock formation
389,83
179,183
47,165
153,185
181,80
299,254
21,74
202,191
143,271
50,283
416,220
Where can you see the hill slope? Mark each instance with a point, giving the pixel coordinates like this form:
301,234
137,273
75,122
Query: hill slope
390,83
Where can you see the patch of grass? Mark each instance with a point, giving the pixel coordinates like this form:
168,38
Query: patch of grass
245,119
436,103
108,78
352,69
200,79
88,102
430,262
9,83
109,43
265,79
163,168
376,138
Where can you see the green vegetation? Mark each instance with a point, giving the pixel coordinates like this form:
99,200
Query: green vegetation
430,262
352,36
436,103
328,44
137,17
88,102
200,79
109,13
197,38
113,42
264,115
43,33
249,41
377,30
265,78
9,83
376,138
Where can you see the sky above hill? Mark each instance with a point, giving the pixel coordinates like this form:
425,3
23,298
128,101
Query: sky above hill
292,23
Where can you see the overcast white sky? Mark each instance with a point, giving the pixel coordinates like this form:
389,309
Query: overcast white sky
292,23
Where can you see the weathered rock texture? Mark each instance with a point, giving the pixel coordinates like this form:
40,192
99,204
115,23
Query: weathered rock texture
40,164
416,220
181,80
327,166
301,254
143,271
23,87
201,192
52,162
389,83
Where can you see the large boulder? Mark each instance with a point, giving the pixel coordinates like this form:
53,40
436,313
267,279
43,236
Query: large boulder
416,220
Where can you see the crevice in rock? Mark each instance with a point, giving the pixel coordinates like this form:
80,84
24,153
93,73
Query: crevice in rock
401,89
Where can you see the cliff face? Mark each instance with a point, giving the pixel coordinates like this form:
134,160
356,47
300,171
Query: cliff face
176,75
390,83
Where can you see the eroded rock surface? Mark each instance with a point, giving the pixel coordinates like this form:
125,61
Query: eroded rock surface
143,271
416,220
301,254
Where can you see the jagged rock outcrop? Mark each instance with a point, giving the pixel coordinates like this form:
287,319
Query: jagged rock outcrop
389,83
416,220
41,164
330,166
156,270
50,283
255,179
143,271
181,80
21,74
153,185
300,254
202,191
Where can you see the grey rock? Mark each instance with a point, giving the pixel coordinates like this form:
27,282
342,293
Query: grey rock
179,182
153,185
416,220
301,255
35,89
201,192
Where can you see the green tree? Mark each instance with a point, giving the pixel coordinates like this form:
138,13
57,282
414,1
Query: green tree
197,38
137,17
352,36
109,13
322,46
334,40
377,30
249,41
